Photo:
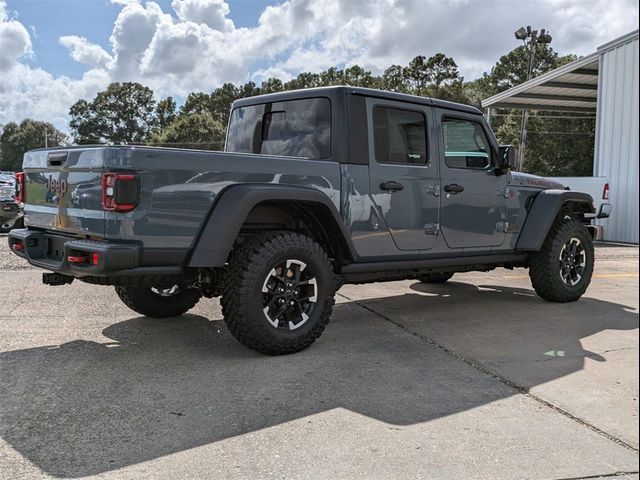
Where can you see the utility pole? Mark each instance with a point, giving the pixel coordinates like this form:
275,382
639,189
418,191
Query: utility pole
531,39
46,138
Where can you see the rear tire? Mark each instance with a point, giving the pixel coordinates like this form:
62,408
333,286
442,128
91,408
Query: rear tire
278,292
159,302
561,271
435,277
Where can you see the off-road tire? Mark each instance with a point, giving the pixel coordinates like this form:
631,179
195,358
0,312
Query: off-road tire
435,277
244,281
544,266
151,304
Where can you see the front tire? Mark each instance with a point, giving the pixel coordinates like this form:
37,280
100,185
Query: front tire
561,271
278,292
159,302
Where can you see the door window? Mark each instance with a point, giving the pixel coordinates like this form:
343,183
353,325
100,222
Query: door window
400,136
465,144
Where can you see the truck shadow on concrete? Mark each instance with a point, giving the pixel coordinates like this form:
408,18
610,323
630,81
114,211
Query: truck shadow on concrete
157,387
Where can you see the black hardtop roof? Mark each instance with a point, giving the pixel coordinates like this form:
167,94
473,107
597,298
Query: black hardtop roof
368,92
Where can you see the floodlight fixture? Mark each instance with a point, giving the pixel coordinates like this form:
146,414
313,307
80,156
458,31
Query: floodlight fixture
521,33
544,36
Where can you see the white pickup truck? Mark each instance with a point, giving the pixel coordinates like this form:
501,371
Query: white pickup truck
598,188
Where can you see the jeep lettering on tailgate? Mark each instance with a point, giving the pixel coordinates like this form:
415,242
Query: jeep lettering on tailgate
58,187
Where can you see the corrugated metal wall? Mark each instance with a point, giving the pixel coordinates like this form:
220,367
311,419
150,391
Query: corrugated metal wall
616,154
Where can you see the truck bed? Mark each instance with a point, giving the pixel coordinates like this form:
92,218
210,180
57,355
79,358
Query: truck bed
177,188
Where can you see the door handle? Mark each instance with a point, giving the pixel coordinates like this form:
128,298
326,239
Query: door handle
453,188
391,186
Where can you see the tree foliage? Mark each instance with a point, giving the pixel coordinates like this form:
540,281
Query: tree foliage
195,130
16,139
123,113
165,113
127,112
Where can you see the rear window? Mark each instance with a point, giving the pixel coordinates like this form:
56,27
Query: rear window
295,128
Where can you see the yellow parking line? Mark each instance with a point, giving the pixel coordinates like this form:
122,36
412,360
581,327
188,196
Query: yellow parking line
597,275
614,275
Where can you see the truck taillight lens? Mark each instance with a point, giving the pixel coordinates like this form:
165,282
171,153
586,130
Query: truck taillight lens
20,192
605,192
120,191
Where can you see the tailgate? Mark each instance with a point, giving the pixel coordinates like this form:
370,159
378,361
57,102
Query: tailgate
63,190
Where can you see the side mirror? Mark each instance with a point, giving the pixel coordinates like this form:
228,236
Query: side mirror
506,157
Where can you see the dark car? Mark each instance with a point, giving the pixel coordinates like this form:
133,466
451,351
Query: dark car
10,209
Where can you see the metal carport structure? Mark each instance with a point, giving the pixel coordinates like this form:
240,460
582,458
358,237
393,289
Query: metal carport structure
570,88
604,83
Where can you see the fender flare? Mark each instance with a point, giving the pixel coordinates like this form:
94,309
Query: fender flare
546,206
222,225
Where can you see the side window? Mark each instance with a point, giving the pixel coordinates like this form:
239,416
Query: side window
400,136
293,128
465,144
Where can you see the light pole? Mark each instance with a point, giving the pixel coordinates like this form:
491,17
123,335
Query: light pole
531,38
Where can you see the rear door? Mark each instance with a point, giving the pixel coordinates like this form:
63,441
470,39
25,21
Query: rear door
474,203
403,172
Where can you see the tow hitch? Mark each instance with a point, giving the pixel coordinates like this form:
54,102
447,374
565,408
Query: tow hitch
55,279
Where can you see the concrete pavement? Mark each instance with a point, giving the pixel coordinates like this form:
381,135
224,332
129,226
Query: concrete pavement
474,379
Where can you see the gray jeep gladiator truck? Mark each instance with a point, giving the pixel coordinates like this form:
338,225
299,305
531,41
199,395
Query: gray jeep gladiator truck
314,189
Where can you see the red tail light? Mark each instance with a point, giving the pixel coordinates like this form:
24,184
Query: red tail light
605,192
120,192
20,192
18,246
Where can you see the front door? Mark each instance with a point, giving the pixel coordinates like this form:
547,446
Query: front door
403,172
474,203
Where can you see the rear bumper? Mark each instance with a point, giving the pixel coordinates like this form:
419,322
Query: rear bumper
605,211
9,212
53,252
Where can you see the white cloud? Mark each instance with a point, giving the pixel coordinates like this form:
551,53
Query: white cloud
15,42
196,46
212,13
83,51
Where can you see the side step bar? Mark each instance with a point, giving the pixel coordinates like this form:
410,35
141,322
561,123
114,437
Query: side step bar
433,263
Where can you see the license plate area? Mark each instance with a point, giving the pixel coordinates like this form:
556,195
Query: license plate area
54,248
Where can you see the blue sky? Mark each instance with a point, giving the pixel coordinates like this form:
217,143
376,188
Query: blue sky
54,52
93,19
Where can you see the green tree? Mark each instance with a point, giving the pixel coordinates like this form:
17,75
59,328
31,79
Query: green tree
221,100
332,76
417,75
16,139
194,130
165,113
445,81
271,85
359,77
123,113
394,79
436,76
511,69
304,80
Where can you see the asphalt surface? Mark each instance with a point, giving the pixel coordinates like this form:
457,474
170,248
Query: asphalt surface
477,378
